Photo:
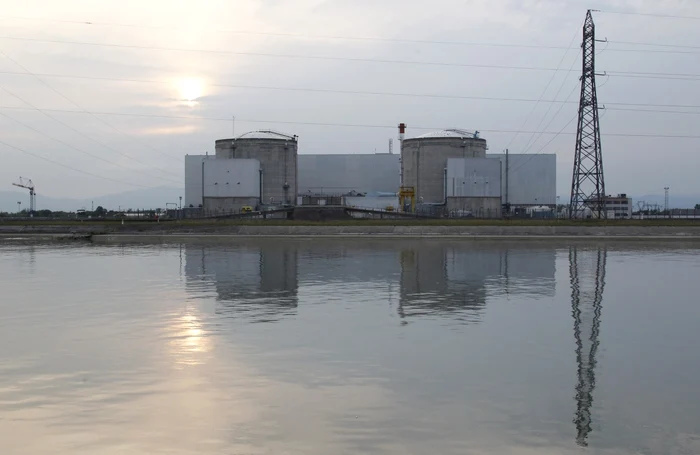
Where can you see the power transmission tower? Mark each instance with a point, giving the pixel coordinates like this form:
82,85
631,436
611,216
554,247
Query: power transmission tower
587,274
588,184
666,207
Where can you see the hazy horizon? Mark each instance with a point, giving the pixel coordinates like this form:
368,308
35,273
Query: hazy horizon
110,89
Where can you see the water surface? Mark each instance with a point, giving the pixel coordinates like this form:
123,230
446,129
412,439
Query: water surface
345,347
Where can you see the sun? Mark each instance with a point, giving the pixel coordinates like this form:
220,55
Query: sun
190,89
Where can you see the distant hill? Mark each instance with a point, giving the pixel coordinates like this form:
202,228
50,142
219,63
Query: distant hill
675,201
139,199
157,198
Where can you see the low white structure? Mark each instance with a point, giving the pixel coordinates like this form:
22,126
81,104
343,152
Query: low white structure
618,207
373,202
531,179
221,184
473,177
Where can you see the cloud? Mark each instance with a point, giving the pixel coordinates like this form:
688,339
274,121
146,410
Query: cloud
169,130
313,28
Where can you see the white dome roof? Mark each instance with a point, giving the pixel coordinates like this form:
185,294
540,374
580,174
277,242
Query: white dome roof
453,133
266,134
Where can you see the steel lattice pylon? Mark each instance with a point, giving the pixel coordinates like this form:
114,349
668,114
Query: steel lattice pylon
588,184
587,275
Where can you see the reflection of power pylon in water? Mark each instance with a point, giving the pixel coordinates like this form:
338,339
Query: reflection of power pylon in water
587,272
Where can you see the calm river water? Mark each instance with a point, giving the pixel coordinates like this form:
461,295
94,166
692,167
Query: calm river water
347,347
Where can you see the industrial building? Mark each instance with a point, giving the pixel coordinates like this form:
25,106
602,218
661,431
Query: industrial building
345,173
450,171
531,178
616,207
528,180
256,169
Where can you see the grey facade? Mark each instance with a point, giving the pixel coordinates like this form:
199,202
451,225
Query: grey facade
193,180
277,154
532,178
343,173
474,187
424,161
474,177
229,185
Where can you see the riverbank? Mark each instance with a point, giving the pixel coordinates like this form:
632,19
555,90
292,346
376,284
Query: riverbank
157,232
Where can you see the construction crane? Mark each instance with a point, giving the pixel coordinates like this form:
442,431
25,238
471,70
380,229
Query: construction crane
27,184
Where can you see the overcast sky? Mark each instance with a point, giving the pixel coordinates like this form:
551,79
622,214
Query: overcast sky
151,81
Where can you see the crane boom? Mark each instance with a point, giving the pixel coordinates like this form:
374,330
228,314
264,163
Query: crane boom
28,185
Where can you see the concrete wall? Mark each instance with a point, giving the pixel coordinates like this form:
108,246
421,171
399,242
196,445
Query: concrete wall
369,202
473,177
231,178
532,178
423,163
278,160
193,179
340,174
478,207
228,205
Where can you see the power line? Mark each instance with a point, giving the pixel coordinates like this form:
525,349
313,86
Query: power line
336,91
292,35
666,16
97,157
547,126
351,125
347,38
652,111
290,89
559,133
651,51
679,77
647,73
321,37
530,145
551,79
290,56
85,110
70,167
73,129
637,43
348,59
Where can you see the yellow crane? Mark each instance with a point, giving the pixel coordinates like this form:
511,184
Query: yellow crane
27,184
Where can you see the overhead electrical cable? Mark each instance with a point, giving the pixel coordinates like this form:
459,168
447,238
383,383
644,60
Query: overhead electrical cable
44,112
53,89
65,166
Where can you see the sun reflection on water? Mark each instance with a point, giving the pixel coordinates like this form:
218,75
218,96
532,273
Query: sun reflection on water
189,341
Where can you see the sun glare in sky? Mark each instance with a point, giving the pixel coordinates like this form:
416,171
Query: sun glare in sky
190,89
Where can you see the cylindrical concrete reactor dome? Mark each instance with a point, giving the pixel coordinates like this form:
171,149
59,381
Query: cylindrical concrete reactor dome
277,154
424,160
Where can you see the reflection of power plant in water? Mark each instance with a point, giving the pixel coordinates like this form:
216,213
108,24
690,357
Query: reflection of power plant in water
587,273
436,278
260,280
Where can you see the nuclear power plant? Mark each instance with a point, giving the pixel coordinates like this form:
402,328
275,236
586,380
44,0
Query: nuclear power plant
446,173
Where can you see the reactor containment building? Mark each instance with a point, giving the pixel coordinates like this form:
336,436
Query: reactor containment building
256,169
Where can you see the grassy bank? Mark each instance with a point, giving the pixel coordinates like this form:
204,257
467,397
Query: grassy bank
193,224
